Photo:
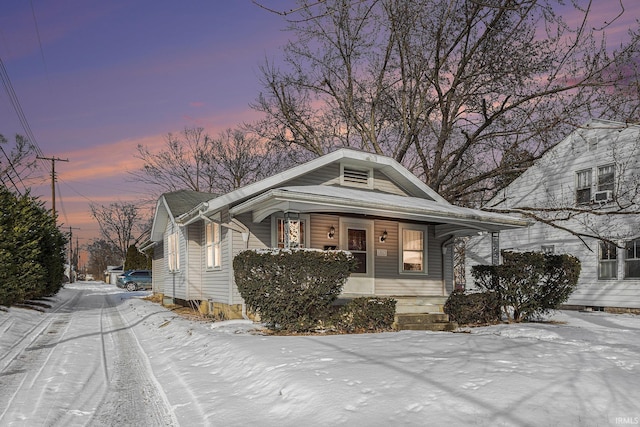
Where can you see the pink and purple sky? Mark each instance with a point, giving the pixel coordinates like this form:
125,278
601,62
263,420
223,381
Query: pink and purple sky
97,78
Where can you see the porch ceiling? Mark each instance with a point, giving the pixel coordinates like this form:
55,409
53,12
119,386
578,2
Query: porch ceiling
451,219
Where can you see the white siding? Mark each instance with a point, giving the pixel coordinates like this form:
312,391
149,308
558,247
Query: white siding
551,182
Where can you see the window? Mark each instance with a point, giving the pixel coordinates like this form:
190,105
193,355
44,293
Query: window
357,245
212,245
583,187
413,250
295,237
632,259
174,252
608,262
606,177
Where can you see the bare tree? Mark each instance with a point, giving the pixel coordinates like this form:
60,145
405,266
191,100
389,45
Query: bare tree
239,159
17,162
195,161
118,222
184,163
101,255
464,93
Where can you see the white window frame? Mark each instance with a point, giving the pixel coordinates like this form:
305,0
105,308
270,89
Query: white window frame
632,248
610,169
401,247
607,254
213,246
588,174
173,252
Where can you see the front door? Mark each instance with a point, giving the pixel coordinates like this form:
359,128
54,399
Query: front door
356,236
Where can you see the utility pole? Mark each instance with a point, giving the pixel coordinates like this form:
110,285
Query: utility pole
53,185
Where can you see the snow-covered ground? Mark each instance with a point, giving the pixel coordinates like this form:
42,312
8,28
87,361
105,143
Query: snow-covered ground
583,369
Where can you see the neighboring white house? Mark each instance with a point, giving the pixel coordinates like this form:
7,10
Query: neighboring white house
399,229
596,168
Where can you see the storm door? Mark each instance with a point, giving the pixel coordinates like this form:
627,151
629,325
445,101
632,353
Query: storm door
356,236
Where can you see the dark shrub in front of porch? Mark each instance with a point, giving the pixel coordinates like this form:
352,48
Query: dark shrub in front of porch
292,290
365,314
473,308
529,284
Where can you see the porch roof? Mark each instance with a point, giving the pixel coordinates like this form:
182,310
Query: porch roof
449,219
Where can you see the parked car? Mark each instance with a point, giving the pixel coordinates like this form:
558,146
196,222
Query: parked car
133,280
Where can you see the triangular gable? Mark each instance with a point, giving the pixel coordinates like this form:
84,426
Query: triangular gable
578,139
386,165
171,205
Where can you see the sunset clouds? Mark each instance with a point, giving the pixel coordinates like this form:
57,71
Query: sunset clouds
96,79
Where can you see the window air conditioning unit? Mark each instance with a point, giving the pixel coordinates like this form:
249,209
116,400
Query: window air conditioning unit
603,196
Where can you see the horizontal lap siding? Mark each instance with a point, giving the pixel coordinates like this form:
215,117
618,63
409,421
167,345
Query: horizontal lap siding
551,182
174,283
259,238
328,175
320,226
384,184
194,265
389,281
158,268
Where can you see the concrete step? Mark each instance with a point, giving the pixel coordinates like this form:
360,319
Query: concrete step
436,327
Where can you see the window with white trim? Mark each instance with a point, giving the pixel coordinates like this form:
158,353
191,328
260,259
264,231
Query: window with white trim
632,260
608,261
173,250
413,249
212,245
606,177
583,187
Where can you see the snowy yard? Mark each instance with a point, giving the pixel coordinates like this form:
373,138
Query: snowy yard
581,370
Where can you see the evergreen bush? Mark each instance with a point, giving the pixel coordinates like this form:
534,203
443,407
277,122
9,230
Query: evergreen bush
473,308
32,253
291,290
136,260
366,314
529,284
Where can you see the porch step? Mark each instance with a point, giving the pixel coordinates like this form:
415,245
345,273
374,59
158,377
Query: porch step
419,305
423,322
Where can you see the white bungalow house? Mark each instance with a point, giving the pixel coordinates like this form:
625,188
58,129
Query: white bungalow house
398,228
588,183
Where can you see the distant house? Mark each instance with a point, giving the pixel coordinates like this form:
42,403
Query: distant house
399,229
112,272
593,171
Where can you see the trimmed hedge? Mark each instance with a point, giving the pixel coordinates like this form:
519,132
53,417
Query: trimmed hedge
529,284
292,290
473,308
366,314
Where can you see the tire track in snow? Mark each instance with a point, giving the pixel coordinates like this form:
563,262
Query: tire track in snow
134,396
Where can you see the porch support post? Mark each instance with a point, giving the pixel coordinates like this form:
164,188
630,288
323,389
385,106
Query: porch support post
291,230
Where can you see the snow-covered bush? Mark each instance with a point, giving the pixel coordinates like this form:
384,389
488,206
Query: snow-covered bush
291,290
529,284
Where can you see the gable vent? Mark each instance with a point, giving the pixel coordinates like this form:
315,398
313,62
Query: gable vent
355,177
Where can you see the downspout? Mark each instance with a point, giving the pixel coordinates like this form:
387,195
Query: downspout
443,251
